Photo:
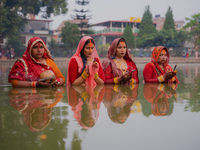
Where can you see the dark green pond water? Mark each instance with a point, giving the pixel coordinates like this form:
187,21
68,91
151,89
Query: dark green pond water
141,117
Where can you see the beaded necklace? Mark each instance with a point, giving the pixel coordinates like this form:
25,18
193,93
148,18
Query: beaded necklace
121,64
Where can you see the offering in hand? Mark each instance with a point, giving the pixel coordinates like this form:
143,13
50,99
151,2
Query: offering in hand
48,76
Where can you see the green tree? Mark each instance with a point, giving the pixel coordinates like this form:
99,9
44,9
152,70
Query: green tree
13,13
147,28
103,49
194,24
15,43
169,21
129,37
70,35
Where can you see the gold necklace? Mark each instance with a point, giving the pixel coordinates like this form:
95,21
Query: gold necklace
121,64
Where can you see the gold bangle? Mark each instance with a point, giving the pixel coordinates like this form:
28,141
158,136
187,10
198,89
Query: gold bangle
116,80
161,78
96,76
84,75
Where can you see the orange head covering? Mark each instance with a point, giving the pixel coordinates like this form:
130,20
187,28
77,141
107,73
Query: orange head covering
156,52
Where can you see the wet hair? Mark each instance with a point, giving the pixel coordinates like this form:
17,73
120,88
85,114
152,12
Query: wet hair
84,59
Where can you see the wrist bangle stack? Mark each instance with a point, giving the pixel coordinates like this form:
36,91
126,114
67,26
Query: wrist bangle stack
116,80
96,76
33,84
84,75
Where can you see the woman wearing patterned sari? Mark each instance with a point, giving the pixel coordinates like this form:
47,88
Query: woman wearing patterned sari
158,70
36,68
85,66
118,66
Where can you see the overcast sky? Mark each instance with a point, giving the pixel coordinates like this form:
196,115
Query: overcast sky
105,10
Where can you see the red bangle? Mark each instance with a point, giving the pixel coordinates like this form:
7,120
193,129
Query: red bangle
33,84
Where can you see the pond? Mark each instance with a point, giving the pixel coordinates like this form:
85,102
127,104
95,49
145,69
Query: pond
150,116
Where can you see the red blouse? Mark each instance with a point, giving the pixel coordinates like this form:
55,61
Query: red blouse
109,77
151,77
73,71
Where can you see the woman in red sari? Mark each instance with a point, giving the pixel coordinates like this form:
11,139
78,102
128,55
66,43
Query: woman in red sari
85,67
158,70
118,66
36,63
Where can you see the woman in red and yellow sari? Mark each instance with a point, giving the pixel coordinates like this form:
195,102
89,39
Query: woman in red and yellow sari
36,68
85,66
158,70
118,66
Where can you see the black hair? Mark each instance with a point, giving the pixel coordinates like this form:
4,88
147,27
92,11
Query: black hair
84,59
121,40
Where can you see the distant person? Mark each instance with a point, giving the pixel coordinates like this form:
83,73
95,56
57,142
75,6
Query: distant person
118,66
196,54
85,66
36,68
187,54
158,70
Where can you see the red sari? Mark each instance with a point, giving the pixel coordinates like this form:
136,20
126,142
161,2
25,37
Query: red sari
111,71
29,69
76,65
152,73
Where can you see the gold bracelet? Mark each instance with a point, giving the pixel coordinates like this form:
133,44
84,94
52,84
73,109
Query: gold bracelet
161,78
116,80
96,76
84,75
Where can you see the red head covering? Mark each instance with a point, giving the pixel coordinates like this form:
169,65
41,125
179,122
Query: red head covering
111,54
78,58
154,60
28,68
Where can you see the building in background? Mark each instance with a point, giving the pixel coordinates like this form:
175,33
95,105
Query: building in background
159,21
34,28
57,33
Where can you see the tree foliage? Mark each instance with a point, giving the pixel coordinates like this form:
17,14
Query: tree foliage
70,35
169,21
147,29
194,23
146,25
129,37
13,12
15,43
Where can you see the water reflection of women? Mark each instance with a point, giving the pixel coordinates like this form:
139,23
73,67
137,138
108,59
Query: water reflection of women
118,100
85,103
159,96
36,106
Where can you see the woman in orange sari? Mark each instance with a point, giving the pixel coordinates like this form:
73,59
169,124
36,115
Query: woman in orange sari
158,70
36,68
85,66
118,66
